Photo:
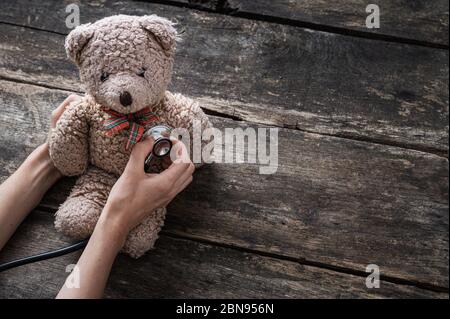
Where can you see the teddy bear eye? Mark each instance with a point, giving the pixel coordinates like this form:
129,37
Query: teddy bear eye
104,76
141,72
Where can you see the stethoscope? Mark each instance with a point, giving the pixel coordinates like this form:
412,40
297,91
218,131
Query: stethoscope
161,147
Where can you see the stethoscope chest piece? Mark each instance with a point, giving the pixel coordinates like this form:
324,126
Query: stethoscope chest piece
161,147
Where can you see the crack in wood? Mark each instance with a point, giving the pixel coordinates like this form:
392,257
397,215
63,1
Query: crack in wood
429,150
301,261
223,7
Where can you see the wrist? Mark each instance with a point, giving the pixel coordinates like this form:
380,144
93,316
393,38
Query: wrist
41,166
111,228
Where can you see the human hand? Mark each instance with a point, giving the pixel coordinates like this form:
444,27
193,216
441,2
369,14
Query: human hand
137,193
56,113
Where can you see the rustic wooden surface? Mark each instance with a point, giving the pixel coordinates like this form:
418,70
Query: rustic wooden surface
180,268
417,20
327,202
362,177
313,81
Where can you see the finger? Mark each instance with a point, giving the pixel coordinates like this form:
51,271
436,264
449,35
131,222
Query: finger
56,114
178,189
185,176
175,171
175,191
139,154
185,184
179,152
179,159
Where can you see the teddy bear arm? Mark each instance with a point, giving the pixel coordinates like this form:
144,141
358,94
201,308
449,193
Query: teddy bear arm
68,141
189,115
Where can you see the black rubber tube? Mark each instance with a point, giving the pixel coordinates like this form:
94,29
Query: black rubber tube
44,256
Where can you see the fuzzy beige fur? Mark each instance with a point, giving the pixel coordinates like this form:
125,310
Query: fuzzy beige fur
134,54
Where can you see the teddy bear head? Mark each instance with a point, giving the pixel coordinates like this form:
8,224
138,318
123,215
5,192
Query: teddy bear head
125,62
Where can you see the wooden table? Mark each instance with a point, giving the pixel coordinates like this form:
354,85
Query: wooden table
363,149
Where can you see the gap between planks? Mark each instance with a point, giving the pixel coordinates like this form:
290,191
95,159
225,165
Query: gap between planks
223,272
223,9
301,261
436,152
410,143
325,265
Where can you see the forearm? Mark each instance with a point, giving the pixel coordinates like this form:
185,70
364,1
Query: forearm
24,189
95,263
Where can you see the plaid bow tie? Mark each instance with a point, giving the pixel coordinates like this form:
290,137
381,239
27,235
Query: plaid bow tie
118,122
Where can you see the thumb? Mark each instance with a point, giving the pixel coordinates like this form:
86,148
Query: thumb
139,153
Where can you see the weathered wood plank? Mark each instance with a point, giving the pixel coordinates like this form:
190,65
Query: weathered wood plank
263,72
335,201
416,20
183,269
213,5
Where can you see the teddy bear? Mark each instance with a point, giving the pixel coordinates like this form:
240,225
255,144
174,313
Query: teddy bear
125,64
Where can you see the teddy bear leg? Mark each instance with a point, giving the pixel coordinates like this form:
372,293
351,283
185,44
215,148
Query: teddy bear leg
143,236
78,215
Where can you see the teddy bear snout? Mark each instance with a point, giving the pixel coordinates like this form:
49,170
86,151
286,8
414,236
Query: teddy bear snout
125,98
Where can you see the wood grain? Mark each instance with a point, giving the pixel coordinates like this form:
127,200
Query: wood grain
416,20
333,201
262,72
179,268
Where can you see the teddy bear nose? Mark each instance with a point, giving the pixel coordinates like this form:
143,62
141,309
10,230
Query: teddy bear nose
125,98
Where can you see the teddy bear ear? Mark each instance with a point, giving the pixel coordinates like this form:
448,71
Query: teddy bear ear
77,40
162,30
